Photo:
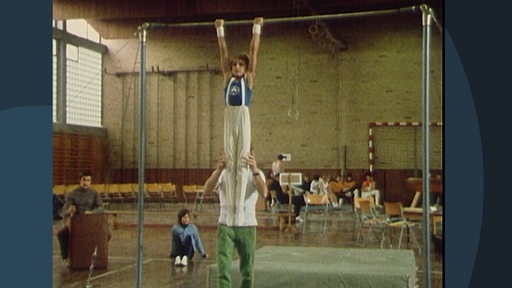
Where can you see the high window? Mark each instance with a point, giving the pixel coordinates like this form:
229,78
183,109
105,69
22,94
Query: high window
77,74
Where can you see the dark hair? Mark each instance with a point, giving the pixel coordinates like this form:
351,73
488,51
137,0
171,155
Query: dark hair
242,57
280,156
85,173
182,213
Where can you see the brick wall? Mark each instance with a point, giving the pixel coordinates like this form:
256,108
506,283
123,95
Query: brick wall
76,149
378,78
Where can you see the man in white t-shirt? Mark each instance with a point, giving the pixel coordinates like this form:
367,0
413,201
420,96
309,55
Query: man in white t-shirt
237,222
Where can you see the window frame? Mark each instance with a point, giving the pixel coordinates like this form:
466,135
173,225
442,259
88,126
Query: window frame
62,39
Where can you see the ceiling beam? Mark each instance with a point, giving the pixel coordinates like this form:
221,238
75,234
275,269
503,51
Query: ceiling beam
121,18
122,9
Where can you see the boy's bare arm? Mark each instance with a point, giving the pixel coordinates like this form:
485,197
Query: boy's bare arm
253,50
223,48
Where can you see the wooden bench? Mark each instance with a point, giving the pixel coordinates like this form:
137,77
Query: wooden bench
115,213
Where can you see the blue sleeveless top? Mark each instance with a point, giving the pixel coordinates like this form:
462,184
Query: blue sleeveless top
237,93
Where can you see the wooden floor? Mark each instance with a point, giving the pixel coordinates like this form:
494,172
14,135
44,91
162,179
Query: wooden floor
158,270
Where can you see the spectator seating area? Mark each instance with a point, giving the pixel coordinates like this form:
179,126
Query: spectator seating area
161,193
128,192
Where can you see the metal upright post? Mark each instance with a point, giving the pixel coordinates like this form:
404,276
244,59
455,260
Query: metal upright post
427,21
91,267
142,151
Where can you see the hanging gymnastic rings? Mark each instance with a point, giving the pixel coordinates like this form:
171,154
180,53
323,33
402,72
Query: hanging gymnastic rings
313,30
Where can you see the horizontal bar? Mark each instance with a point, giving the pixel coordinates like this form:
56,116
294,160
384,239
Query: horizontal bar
286,19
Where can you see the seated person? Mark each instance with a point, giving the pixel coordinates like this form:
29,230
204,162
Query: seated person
331,196
335,186
317,185
368,189
304,187
58,203
82,200
283,198
185,240
348,187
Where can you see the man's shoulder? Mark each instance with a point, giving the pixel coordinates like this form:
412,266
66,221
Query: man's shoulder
75,191
92,191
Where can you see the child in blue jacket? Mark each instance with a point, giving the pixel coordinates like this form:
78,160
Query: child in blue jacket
185,240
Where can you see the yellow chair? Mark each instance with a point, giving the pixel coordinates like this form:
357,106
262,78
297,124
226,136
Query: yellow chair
316,200
113,193
369,220
135,192
154,193
357,218
169,193
126,190
201,195
189,190
395,220
99,187
59,190
127,194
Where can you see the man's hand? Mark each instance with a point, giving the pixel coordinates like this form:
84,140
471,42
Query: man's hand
251,161
221,162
